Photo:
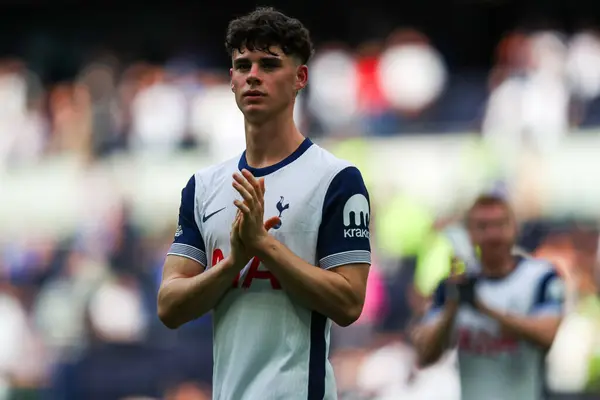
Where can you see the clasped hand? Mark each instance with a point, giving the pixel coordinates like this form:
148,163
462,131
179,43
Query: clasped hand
249,229
460,287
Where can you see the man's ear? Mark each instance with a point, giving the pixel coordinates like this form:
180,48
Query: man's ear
301,77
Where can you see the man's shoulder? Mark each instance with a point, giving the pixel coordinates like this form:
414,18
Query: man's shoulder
209,175
537,268
329,165
537,277
329,160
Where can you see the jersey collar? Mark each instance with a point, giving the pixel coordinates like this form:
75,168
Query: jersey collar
519,261
258,172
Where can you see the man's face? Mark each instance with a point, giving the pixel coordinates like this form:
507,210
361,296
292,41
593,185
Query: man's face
265,83
492,228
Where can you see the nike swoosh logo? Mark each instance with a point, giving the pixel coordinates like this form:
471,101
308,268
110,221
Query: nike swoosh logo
206,217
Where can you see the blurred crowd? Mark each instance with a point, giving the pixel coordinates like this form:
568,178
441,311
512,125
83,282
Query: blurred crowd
541,85
78,310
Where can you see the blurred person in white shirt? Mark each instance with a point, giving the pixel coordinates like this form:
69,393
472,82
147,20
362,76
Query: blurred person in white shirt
22,127
412,72
215,118
583,65
529,103
99,78
59,308
502,318
159,114
13,320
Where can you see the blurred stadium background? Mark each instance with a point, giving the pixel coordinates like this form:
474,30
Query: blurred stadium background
106,109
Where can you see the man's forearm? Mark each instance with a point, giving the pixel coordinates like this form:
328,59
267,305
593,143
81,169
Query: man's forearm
433,339
537,330
181,300
326,292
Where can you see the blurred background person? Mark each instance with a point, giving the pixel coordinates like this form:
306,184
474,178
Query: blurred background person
508,310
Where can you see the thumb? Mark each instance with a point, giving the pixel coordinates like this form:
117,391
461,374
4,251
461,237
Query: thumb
262,185
272,222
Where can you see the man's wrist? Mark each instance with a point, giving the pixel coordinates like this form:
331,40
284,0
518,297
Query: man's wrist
452,292
485,310
229,265
451,306
449,313
263,246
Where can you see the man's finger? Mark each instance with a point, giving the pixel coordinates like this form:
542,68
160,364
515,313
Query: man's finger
272,223
256,185
246,179
236,220
238,217
243,182
241,206
248,198
238,225
262,186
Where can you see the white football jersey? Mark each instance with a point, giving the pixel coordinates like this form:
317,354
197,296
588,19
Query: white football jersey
494,365
267,346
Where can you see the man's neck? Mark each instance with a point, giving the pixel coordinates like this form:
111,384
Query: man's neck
271,142
498,268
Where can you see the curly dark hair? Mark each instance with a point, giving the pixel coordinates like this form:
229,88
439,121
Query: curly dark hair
266,27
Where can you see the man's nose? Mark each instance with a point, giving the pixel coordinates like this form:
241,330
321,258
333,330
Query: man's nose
253,77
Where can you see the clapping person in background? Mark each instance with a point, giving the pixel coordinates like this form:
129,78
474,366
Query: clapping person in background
502,318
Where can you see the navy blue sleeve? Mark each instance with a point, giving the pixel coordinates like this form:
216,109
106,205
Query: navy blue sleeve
437,302
188,241
344,231
439,296
549,297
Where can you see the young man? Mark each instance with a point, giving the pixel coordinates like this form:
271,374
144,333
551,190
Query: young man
274,294
504,318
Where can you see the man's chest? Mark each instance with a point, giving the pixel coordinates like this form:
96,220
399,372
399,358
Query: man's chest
503,297
299,206
480,334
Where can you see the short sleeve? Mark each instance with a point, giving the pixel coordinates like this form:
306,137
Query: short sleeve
549,297
188,241
344,236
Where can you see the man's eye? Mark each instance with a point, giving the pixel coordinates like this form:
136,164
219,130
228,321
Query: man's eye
269,65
